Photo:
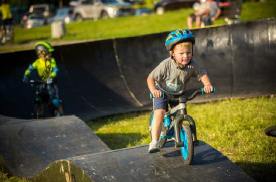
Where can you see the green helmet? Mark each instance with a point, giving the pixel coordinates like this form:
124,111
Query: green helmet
43,48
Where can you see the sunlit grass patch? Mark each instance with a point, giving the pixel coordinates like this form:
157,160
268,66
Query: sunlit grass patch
124,130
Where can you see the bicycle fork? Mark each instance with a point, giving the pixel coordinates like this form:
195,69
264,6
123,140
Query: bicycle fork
178,120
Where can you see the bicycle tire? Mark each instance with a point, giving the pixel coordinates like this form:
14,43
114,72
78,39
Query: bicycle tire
187,150
162,141
271,131
52,110
37,110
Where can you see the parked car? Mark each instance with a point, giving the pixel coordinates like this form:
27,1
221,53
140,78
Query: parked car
78,2
143,11
64,14
75,2
18,13
31,20
166,5
96,9
45,9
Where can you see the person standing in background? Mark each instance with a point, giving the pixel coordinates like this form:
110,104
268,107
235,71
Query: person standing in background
6,19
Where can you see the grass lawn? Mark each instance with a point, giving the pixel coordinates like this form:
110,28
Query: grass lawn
234,127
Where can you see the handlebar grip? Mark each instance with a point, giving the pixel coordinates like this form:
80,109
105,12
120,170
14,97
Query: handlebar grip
163,95
202,91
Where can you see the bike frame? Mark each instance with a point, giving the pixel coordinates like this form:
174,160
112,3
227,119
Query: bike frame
182,129
180,114
40,101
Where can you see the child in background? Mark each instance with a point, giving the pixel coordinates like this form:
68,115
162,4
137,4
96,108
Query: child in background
47,71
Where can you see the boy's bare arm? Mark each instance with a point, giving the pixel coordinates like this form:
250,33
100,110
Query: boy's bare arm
151,84
208,88
217,15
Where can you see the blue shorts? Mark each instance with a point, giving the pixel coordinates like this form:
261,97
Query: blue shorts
162,103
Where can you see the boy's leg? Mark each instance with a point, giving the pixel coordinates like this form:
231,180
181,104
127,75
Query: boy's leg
155,130
157,123
54,97
198,21
40,89
190,20
159,106
3,32
60,110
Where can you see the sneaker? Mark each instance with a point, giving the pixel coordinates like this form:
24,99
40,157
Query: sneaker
154,146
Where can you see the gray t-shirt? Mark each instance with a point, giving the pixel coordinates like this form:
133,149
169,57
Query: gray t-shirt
213,9
172,79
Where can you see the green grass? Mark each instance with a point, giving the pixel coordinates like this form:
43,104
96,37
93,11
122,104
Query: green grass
234,127
5,178
128,26
123,130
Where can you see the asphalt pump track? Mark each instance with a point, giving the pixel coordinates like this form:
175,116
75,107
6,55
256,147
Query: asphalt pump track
108,77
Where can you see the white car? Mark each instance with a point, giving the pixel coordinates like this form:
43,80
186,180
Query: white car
96,9
65,15
46,10
32,20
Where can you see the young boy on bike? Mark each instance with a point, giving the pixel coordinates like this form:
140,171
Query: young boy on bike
5,10
172,75
47,71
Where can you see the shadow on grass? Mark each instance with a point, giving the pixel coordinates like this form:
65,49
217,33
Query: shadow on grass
120,140
261,172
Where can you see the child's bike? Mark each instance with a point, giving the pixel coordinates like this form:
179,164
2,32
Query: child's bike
180,126
41,100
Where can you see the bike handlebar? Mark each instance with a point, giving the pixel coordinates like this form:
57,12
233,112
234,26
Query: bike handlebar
192,96
37,82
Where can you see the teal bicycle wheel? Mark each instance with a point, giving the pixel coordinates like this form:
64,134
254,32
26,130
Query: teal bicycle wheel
187,150
162,140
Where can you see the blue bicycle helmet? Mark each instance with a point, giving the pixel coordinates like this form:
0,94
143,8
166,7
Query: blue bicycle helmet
177,36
